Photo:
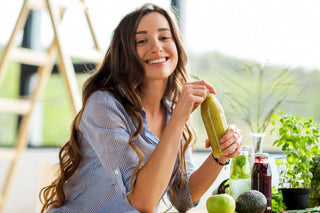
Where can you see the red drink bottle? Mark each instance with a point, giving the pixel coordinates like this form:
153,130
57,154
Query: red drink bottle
261,177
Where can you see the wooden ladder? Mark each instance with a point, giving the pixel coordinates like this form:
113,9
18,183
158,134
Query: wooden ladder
44,60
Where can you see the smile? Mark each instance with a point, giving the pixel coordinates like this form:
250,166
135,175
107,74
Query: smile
157,61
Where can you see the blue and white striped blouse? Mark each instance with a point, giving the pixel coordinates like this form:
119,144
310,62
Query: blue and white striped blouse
102,182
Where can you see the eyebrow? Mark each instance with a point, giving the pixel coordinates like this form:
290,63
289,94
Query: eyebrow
159,30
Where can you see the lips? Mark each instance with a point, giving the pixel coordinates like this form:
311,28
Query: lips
156,61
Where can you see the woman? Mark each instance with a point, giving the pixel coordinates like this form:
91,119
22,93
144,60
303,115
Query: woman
130,142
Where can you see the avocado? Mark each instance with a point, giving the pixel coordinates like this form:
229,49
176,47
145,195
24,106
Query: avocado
251,201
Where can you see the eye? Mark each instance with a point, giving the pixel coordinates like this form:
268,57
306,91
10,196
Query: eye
141,41
165,38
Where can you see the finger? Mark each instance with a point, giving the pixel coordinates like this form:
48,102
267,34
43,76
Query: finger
199,92
208,86
235,149
231,144
207,144
231,132
234,153
197,101
226,143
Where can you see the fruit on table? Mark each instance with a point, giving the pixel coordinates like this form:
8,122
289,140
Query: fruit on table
214,121
224,187
221,203
252,201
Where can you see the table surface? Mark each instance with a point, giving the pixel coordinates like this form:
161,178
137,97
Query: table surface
198,158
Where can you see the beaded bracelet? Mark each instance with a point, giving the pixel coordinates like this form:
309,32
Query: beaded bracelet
221,164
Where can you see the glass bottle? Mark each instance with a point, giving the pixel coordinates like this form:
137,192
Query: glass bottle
240,173
261,177
214,121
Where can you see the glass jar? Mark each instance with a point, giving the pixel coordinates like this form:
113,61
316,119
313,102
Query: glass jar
240,173
261,177
257,141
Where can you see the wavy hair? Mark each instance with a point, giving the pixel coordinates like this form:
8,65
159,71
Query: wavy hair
121,73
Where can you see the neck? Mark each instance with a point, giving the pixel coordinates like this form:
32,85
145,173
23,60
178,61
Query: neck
152,95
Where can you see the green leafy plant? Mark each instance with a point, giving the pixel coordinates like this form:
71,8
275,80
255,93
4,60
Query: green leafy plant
254,92
299,140
314,197
315,169
307,210
277,201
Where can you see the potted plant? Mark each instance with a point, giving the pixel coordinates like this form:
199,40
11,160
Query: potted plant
299,141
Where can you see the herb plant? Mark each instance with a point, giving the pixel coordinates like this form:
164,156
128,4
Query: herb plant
314,197
277,201
299,140
316,172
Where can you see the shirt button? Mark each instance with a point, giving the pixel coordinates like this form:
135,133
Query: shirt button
116,172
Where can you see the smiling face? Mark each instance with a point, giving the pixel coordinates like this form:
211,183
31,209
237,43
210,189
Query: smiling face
156,47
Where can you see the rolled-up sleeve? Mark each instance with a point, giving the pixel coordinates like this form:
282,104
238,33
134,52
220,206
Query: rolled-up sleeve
104,125
183,199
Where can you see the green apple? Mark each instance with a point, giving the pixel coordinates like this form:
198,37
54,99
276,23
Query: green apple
221,203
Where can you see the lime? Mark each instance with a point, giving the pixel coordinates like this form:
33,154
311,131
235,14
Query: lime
221,203
240,167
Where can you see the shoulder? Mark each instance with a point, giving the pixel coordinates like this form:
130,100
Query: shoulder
102,101
103,106
101,97
103,109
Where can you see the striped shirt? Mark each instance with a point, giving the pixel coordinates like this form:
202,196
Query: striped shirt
102,181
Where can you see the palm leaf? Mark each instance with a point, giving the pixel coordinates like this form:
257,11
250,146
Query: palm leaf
255,92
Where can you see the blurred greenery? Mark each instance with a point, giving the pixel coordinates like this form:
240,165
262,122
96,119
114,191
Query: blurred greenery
211,66
9,89
254,92
57,115
57,110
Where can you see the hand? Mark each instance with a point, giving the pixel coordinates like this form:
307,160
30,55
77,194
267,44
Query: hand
192,95
231,143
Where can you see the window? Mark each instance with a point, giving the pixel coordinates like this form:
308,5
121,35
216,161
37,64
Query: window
54,116
220,35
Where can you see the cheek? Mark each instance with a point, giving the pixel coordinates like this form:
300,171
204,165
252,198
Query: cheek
140,52
174,51
176,56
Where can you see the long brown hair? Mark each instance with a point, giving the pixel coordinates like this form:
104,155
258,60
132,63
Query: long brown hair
121,74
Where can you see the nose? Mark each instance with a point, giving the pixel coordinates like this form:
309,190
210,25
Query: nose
156,46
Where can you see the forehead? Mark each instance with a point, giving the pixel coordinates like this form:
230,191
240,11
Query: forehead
153,20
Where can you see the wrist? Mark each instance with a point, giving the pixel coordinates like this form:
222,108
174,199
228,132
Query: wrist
177,120
222,161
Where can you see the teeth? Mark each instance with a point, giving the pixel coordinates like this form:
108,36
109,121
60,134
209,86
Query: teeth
157,61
